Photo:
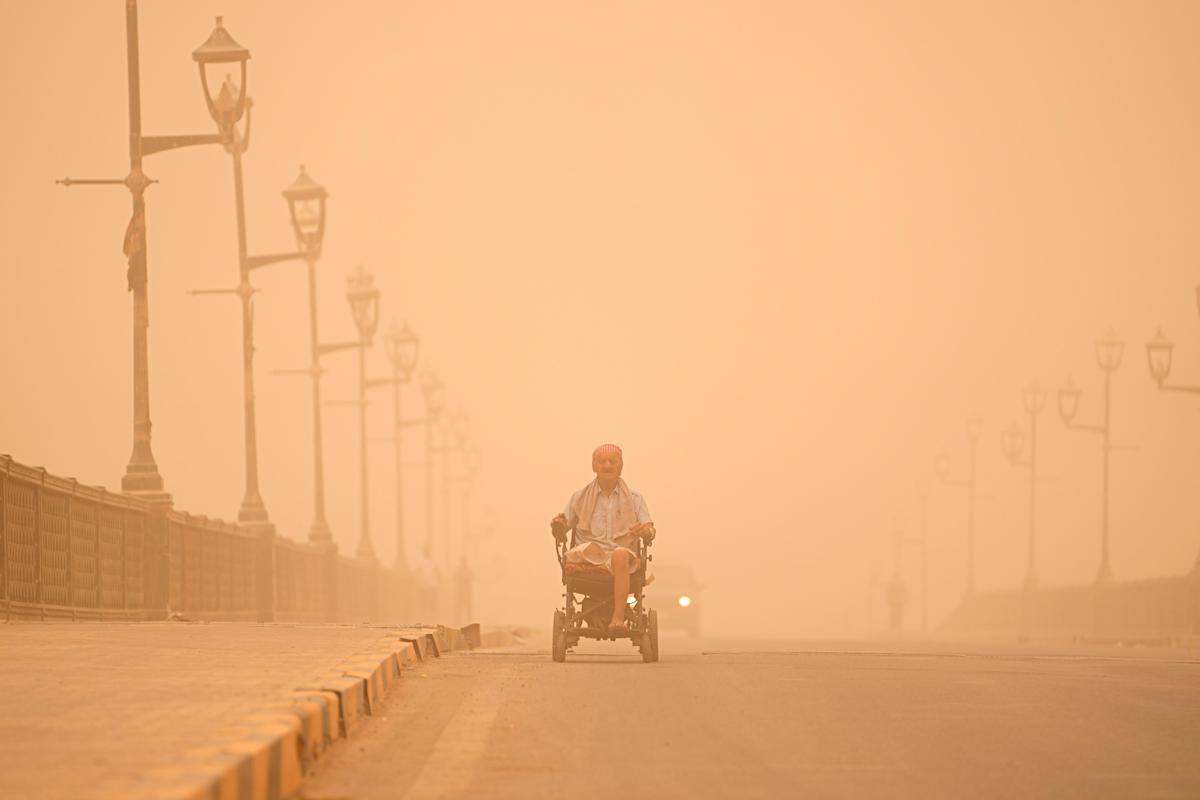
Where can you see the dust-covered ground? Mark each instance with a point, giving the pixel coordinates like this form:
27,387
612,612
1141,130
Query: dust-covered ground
741,718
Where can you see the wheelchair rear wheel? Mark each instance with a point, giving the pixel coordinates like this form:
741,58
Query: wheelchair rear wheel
558,644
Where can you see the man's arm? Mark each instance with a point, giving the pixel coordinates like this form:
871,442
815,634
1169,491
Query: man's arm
645,526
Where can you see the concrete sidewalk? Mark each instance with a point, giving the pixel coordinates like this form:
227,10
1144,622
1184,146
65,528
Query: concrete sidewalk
175,709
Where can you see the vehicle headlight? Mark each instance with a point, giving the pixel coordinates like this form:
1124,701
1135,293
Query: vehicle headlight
685,601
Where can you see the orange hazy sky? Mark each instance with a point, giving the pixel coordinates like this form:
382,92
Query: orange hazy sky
777,251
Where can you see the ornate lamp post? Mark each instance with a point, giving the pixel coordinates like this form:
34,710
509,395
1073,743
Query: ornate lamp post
923,542
364,305
1013,440
435,402
227,107
402,347
942,467
897,593
306,207
1109,352
141,474
1159,351
455,433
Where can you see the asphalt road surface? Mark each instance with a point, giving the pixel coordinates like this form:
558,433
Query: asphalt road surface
778,719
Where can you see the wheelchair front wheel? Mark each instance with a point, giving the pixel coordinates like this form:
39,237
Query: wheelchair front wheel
558,642
649,646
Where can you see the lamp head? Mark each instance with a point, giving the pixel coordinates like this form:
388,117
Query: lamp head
1068,401
220,51
472,460
974,429
1158,357
1033,397
1012,439
435,394
306,206
402,346
941,465
460,427
364,303
1109,350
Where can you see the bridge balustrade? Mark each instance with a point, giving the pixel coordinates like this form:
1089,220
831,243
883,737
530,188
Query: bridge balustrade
69,551
212,568
299,581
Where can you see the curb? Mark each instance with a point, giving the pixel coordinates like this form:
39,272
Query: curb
267,753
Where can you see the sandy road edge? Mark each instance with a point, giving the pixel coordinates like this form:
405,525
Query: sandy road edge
265,755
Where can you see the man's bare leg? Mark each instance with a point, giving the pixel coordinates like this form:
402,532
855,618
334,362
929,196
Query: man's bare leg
620,569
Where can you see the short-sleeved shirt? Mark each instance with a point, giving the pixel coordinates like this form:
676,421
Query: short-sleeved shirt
604,518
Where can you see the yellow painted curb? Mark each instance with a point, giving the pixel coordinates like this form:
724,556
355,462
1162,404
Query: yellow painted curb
351,694
330,711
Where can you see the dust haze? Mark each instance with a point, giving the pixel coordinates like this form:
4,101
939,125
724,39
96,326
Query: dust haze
778,252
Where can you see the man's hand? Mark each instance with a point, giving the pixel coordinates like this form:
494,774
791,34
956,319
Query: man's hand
644,530
558,526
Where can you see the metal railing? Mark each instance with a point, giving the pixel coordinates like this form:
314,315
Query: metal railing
69,551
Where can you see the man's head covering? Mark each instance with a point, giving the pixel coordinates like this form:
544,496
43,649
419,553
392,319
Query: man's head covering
608,450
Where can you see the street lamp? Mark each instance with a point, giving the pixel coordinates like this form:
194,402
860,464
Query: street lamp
306,208
974,428
1109,353
435,401
141,474
1159,351
402,347
455,432
364,306
923,494
899,540
227,108
1033,398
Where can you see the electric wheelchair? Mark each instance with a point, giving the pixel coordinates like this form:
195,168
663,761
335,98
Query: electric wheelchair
588,602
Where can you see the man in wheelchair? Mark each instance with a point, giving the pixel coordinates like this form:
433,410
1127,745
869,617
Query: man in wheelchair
612,528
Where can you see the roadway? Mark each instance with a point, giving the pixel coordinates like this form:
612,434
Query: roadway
746,719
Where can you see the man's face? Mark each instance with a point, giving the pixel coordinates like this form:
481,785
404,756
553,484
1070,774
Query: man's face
607,465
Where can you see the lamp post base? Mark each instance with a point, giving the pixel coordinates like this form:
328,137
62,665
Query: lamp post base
1105,575
158,500
319,532
141,477
366,550
253,511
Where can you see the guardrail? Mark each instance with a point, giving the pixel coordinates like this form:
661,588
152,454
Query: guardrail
1145,608
69,551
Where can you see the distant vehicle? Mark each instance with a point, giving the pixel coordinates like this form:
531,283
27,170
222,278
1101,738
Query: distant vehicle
675,594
